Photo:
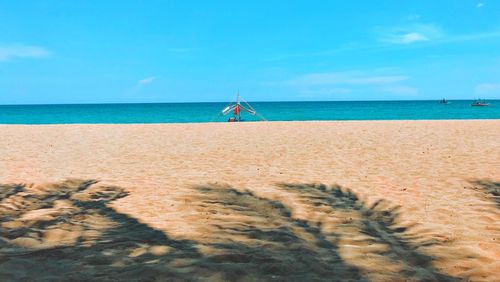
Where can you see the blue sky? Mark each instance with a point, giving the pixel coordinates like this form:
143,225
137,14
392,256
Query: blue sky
185,51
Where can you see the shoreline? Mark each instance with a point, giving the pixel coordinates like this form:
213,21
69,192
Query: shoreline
252,122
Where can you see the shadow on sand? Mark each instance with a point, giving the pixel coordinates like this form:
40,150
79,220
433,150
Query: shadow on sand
263,233
489,188
394,247
68,229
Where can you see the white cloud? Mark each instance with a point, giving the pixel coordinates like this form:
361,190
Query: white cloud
349,84
487,89
346,78
432,33
395,38
147,80
480,5
409,34
12,51
411,38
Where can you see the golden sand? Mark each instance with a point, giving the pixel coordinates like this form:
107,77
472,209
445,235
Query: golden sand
374,200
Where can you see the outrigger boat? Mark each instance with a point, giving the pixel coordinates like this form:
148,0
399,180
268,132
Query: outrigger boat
236,107
480,103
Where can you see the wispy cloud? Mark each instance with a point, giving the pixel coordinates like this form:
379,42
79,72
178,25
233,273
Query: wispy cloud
345,78
147,80
353,46
350,83
408,34
480,5
11,51
142,83
487,89
409,38
431,33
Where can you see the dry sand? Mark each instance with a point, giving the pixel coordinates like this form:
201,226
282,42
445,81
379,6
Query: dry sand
375,200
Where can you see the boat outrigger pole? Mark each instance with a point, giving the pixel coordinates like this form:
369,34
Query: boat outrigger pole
238,106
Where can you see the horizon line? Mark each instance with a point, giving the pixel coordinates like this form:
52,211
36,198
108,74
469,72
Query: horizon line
216,102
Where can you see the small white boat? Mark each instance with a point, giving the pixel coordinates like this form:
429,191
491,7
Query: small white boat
480,103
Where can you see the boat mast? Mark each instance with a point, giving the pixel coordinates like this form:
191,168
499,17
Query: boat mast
238,106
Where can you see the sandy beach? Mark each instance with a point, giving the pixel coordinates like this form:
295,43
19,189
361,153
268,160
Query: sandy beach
281,201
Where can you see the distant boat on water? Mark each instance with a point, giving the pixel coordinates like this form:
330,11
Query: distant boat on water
236,107
444,101
480,103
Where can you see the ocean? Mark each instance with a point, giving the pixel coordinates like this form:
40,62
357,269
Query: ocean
272,111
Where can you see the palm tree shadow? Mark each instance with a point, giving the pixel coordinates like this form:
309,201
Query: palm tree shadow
67,229
267,240
396,245
9,190
490,188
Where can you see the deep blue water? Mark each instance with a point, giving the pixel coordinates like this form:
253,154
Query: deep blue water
273,111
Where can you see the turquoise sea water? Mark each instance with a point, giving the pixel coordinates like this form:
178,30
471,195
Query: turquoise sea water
273,111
